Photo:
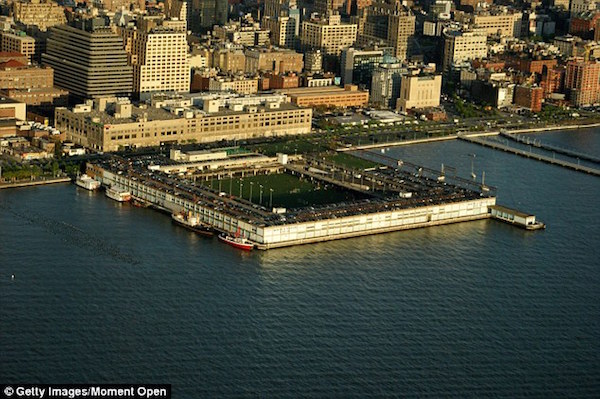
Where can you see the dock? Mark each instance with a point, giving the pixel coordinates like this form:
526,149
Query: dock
531,155
551,148
515,218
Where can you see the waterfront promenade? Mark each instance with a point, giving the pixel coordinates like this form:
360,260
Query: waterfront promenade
30,183
551,148
532,155
455,136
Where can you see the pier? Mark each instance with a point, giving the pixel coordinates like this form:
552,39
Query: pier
527,154
390,199
551,148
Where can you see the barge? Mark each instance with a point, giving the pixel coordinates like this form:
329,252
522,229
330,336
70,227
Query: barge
186,220
516,218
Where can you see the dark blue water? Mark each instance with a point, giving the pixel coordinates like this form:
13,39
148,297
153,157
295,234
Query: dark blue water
111,293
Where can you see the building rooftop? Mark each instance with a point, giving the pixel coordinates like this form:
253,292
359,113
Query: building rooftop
6,54
312,91
151,114
510,211
7,100
156,114
11,64
19,34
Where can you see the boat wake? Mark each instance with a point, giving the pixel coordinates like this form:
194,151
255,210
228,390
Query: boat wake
71,234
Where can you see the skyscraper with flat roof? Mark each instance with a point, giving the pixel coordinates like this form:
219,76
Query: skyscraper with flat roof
158,55
282,18
325,7
388,23
204,14
88,60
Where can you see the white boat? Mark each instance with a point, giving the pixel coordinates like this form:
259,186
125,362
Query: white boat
117,194
483,186
84,181
442,177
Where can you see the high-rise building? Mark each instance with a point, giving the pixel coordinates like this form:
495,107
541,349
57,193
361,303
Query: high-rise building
284,30
505,23
177,9
386,83
553,79
578,6
357,65
329,35
276,8
282,18
240,33
388,23
462,46
204,14
313,61
38,13
88,59
158,53
325,7
582,81
566,45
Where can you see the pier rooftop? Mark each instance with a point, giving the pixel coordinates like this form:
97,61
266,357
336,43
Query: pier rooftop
380,189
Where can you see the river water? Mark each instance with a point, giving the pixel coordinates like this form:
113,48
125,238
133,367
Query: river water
105,292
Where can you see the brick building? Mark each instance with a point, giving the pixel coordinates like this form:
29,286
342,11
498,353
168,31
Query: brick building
583,24
527,65
529,97
332,96
287,81
582,81
553,80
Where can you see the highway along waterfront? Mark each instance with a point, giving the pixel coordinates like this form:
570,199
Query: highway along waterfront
109,292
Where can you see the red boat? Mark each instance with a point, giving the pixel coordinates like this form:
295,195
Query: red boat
237,241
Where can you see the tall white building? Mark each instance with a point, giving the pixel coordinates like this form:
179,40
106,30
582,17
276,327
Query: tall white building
158,53
329,35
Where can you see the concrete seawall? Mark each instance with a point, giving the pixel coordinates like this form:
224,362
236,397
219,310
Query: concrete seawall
35,183
469,134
